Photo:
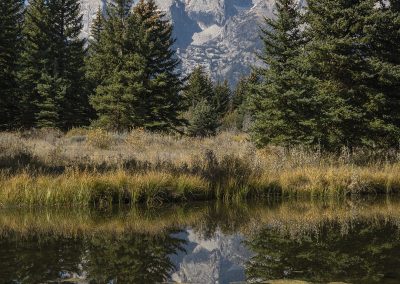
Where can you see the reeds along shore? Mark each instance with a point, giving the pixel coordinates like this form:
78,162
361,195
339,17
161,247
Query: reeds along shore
84,167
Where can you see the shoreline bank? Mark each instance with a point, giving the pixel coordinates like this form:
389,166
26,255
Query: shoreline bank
85,167
80,189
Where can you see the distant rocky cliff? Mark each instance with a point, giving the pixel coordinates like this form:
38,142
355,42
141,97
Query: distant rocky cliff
221,35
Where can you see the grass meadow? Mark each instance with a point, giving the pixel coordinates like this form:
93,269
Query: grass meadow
84,167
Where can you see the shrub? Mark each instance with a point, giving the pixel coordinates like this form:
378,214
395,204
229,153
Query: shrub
76,131
99,138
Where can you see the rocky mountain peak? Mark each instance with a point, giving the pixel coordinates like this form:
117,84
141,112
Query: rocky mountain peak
221,35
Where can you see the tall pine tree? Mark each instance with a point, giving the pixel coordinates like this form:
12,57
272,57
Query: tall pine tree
339,53
162,100
93,68
284,106
200,98
35,63
222,98
52,75
383,75
118,70
11,16
199,86
69,65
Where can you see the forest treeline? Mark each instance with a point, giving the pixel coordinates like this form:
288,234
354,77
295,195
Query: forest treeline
331,75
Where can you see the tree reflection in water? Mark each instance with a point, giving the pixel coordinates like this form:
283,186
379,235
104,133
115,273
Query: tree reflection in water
136,258
363,255
355,241
36,260
126,258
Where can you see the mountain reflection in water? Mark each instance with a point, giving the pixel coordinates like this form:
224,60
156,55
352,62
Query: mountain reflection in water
351,240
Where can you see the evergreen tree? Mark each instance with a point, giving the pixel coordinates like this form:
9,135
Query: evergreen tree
203,119
96,30
339,53
284,107
11,14
93,68
92,65
239,104
118,69
116,100
69,60
53,86
199,87
199,96
222,98
35,61
383,77
51,91
239,94
162,103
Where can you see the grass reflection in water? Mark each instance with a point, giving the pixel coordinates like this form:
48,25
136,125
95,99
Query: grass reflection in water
348,240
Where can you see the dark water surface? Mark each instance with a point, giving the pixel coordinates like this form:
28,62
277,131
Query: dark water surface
351,241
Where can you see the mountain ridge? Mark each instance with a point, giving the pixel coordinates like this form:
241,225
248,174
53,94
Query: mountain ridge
220,35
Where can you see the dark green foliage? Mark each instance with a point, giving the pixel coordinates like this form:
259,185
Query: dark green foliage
337,55
132,67
383,38
199,87
70,59
283,104
351,50
34,59
93,60
95,31
222,97
51,92
240,93
161,101
52,75
204,106
239,103
336,83
115,100
203,119
11,12
115,68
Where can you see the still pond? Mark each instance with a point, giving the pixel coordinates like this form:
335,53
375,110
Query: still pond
355,240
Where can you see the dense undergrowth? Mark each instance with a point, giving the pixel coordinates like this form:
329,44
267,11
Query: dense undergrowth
86,167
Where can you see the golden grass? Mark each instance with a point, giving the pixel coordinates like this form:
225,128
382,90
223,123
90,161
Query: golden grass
341,179
84,167
76,188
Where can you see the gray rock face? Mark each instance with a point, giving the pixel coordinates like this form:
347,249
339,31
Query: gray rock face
221,35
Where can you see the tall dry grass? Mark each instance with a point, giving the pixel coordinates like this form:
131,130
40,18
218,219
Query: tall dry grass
82,167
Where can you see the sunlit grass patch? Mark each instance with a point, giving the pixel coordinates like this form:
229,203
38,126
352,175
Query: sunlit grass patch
51,169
